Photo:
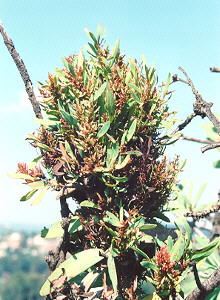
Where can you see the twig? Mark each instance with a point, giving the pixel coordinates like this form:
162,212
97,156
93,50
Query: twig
23,72
211,146
192,139
200,106
208,286
197,279
215,69
185,123
203,213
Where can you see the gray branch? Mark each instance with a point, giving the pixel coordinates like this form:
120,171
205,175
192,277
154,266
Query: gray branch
23,72
208,287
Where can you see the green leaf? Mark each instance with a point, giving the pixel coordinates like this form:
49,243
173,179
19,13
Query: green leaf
147,227
139,251
131,130
75,225
88,203
169,243
99,31
111,231
70,119
140,222
133,86
112,272
137,153
199,254
182,221
43,146
112,154
146,239
161,216
71,69
178,249
121,212
123,138
119,179
40,195
47,123
100,91
21,176
81,59
34,162
72,267
36,185
90,35
167,85
94,50
116,49
28,195
149,265
123,163
110,104
54,231
111,219
216,164
69,150
103,129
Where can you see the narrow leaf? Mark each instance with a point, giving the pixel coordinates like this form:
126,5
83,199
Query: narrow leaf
43,146
21,176
40,196
72,267
54,231
131,130
112,219
88,203
178,249
216,164
133,86
167,85
123,163
110,104
149,265
103,129
112,272
148,227
139,251
100,91
28,195
34,162
47,123
75,225
36,185
198,255
137,153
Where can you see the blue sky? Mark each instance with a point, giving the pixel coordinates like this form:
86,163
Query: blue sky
169,33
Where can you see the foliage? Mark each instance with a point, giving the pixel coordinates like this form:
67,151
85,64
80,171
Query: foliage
101,143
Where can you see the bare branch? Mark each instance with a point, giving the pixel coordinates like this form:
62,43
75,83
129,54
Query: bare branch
208,286
192,139
211,146
23,72
215,69
197,279
203,213
185,123
200,106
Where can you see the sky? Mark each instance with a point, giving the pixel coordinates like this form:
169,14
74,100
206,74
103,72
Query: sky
169,33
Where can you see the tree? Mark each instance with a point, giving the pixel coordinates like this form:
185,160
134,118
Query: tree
104,125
